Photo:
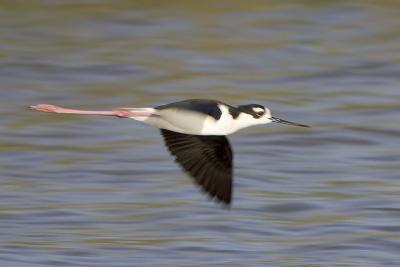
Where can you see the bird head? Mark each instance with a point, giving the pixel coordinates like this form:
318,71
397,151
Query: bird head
255,114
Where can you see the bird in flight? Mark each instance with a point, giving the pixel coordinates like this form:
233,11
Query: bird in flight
194,132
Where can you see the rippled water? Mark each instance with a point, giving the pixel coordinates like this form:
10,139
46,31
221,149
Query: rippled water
96,191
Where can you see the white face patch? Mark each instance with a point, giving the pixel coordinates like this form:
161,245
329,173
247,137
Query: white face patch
258,110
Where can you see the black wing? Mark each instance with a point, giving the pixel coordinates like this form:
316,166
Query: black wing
207,158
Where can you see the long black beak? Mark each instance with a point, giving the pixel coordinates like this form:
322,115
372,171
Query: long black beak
273,119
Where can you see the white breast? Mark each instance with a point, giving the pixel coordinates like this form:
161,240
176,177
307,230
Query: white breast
224,126
176,120
227,124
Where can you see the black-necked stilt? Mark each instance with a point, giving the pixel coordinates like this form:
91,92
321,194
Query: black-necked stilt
194,132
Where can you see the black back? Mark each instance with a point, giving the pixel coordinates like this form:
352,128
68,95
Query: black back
208,107
208,159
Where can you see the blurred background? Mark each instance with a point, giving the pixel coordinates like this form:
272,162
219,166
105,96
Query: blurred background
98,191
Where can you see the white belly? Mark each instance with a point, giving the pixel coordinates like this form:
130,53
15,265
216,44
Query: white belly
187,122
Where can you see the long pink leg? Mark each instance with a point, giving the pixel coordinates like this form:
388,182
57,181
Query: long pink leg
122,113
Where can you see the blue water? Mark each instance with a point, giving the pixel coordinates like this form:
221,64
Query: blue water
98,191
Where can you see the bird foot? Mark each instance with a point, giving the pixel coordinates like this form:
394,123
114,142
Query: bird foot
46,108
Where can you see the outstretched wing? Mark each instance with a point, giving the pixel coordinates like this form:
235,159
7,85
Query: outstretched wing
208,159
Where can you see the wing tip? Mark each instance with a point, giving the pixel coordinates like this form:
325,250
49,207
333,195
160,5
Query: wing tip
224,200
225,204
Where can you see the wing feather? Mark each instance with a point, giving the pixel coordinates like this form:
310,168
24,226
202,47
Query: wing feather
208,159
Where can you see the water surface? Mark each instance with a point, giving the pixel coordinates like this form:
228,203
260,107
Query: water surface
97,191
